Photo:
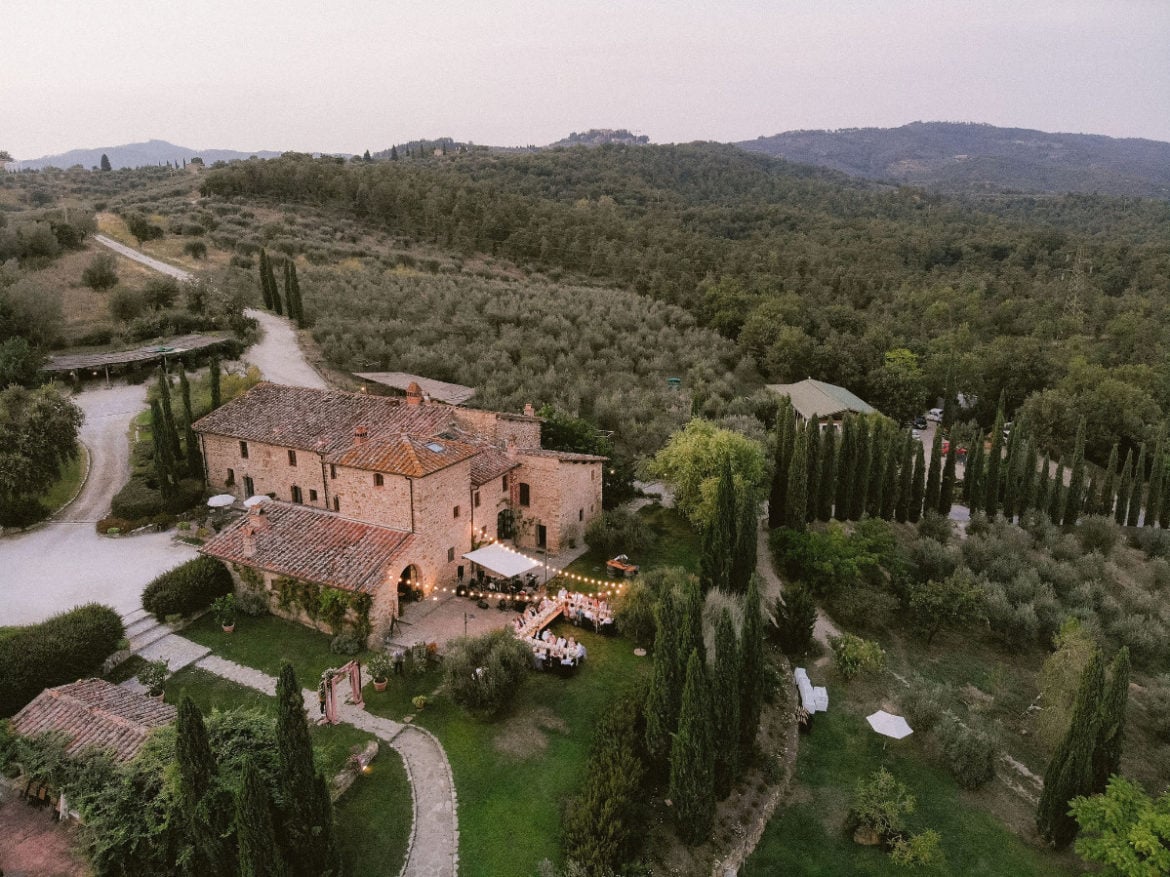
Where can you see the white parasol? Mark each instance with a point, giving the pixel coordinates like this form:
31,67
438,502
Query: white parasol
221,500
889,725
255,500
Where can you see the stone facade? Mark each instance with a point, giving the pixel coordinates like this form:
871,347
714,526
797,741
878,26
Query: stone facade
562,494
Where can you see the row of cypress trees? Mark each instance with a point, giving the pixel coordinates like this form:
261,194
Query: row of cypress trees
174,459
871,468
702,715
289,834
292,290
728,549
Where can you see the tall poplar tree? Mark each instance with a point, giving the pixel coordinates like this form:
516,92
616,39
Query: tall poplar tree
725,695
905,479
1074,498
796,497
864,462
1070,772
259,855
1111,723
751,669
917,484
692,777
1136,488
777,498
934,473
813,456
827,482
992,485
846,469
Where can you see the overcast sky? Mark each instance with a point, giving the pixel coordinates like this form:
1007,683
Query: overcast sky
349,75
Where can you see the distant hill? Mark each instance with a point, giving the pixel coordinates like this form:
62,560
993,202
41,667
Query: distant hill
601,136
974,158
152,152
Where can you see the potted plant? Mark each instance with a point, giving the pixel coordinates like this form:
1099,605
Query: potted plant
419,701
379,668
154,676
225,612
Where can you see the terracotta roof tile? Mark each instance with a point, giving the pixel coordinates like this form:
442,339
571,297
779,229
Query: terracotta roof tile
93,713
415,456
313,545
564,456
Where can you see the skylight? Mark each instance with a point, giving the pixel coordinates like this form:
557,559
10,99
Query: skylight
436,447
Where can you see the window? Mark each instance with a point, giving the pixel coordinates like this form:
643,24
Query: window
332,470
378,479
312,495
231,477
450,555
244,450
336,504
505,484
456,511
525,494
292,458
580,514
249,487
297,497
476,498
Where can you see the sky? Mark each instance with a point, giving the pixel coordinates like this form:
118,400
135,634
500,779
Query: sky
349,75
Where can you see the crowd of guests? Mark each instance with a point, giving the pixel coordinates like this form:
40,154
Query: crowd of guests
549,650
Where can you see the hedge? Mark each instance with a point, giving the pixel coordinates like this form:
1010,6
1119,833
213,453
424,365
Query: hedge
187,588
67,647
136,500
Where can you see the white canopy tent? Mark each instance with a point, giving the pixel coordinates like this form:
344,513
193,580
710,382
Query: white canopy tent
499,560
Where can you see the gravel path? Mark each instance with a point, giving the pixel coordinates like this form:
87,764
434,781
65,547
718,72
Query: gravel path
278,355
161,267
434,842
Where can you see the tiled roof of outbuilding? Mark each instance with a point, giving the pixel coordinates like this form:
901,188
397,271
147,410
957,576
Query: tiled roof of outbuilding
93,713
813,399
313,545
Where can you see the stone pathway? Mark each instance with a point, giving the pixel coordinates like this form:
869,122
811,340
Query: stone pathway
433,848
773,587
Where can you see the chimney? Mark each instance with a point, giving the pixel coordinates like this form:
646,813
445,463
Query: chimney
529,411
359,435
414,394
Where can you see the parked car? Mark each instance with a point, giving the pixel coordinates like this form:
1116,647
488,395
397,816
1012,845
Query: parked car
916,435
961,452
934,414
1007,430
920,422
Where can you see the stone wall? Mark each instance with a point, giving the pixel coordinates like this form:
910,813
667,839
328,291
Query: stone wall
267,465
563,497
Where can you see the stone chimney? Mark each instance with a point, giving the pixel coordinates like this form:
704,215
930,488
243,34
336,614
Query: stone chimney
360,433
529,411
257,523
414,394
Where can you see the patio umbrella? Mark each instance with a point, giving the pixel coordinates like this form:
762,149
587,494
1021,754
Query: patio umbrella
889,725
255,500
221,500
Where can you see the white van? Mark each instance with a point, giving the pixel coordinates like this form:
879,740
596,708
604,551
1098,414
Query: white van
934,414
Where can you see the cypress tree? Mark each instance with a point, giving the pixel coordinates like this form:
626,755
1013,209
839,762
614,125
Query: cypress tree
715,562
274,291
168,413
813,456
692,779
751,670
190,440
215,380
1070,772
662,699
917,484
199,797
781,456
1012,466
877,470
744,554
265,291
1056,495
1074,498
950,407
1121,509
1164,508
725,694
1157,477
296,288
309,843
290,298
905,479
991,484
827,482
864,463
259,854
1109,484
1044,484
893,453
973,475
946,491
1135,488
163,462
1111,723
933,473
1030,476
846,469
690,625
796,497
1092,502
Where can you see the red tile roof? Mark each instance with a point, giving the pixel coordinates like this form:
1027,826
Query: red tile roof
491,463
405,455
563,456
93,713
313,545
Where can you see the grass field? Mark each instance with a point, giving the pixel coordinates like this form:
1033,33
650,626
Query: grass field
67,485
675,544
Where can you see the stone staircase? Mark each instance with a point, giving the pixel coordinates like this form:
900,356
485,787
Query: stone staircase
152,640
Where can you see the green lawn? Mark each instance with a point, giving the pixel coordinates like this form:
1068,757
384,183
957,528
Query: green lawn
807,838
266,641
675,544
69,482
373,817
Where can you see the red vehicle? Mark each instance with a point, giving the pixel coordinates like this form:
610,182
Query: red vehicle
961,452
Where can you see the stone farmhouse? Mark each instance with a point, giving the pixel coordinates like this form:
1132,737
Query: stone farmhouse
380,497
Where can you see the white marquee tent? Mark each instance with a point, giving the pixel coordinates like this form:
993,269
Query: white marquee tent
499,560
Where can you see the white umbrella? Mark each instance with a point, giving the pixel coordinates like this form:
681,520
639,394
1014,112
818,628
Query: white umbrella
889,725
221,500
255,500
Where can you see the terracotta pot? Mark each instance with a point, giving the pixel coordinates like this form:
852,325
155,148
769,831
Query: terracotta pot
158,696
379,686
228,628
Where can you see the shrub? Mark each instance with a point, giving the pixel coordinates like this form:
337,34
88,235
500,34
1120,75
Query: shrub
345,644
21,511
855,655
1157,703
101,272
136,500
195,249
1098,533
1154,541
252,603
187,588
635,614
484,673
154,675
970,753
62,649
935,526
881,804
618,532
919,850
923,704
796,618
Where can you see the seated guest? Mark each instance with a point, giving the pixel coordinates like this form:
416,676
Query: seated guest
581,653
